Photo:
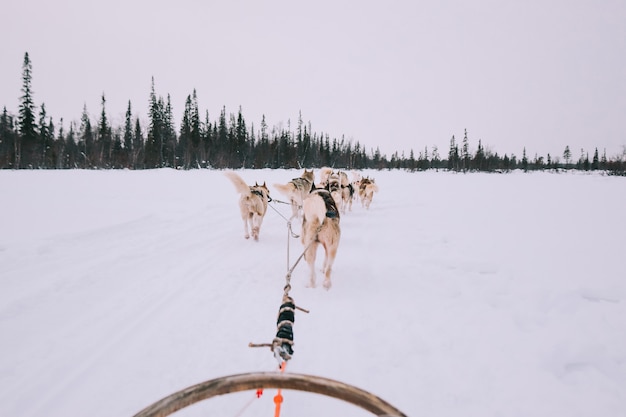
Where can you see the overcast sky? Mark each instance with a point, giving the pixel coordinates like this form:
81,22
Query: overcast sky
398,75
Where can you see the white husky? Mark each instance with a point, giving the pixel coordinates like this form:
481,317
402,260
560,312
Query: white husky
320,225
252,203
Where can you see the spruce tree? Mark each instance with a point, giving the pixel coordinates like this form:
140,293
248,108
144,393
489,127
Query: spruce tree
195,131
222,140
28,147
169,135
596,161
466,154
185,135
71,157
567,155
154,141
207,139
435,158
139,149
59,148
241,140
104,143
479,159
86,141
8,141
128,137
452,154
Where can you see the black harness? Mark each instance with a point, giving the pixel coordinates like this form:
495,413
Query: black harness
329,201
257,192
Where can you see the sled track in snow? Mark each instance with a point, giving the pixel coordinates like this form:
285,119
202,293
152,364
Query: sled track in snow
252,381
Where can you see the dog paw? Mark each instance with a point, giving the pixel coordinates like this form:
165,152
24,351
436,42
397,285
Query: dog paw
327,284
247,236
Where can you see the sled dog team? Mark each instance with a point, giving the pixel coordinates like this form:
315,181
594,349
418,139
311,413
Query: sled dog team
319,205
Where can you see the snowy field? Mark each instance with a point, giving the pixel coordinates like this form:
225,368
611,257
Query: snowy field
454,295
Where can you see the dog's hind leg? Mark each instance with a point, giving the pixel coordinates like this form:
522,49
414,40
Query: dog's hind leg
256,225
309,256
246,218
330,253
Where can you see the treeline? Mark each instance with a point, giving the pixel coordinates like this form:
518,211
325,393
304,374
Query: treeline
31,140
461,159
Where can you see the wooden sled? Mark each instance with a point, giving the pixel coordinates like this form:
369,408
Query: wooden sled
253,381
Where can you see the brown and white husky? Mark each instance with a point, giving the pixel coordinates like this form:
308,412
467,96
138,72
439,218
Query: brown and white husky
252,203
367,188
297,190
320,225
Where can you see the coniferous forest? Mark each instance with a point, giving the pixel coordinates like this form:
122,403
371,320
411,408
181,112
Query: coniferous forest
32,140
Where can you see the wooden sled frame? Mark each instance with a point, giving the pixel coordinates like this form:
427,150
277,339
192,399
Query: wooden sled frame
256,380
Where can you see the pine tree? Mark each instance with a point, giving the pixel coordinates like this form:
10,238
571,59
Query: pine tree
567,155
596,161
169,135
479,159
86,141
154,142
59,148
241,138
128,137
28,146
139,148
466,155
8,141
207,139
435,158
44,137
118,156
506,163
72,152
262,153
195,132
222,141
452,154
104,141
184,136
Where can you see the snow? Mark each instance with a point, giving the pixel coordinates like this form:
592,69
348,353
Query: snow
453,295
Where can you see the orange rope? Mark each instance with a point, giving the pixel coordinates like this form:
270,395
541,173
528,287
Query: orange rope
278,398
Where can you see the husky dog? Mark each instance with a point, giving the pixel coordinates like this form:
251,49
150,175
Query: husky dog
297,190
347,192
252,203
367,187
341,189
333,186
320,224
324,176
356,182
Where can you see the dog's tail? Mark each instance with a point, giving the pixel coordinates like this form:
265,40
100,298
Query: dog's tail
240,184
285,189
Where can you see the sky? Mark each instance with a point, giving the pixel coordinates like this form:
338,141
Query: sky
396,75
133,285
